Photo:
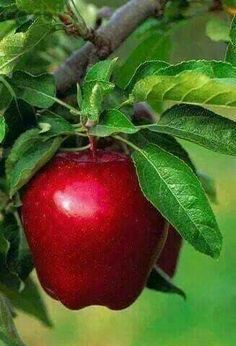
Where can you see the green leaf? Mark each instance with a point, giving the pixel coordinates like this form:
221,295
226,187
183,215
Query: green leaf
113,121
19,116
93,94
194,82
55,125
39,91
96,86
170,144
151,43
173,188
148,68
199,125
30,152
30,302
6,3
6,95
41,6
2,128
9,237
15,258
160,282
218,30
8,332
231,50
209,186
14,45
101,71
230,3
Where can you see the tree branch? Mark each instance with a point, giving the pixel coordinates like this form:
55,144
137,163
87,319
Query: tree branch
123,22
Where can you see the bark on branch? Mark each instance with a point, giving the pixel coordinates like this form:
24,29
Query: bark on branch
123,22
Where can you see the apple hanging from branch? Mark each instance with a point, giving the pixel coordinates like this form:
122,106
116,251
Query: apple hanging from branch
93,235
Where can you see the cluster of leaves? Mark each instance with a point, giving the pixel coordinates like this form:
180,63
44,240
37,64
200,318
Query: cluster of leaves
193,98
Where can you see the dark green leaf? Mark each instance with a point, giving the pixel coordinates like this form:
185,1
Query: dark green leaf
41,6
6,96
151,43
6,3
2,128
30,152
9,237
208,185
8,332
39,91
229,3
199,125
169,144
113,121
160,282
173,188
30,301
55,125
19,117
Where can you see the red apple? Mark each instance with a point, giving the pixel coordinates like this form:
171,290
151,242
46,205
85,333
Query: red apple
169,257
93,235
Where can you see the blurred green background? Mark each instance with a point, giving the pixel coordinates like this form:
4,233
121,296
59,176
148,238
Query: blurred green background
208,317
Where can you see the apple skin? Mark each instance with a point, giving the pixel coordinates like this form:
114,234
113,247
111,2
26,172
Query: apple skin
94,237
169,257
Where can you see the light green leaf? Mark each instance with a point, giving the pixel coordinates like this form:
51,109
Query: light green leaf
231,50
92,101
39,91
194,82
113,121
218,30
199,125
8,332
173,188
41,6
14,45
93,95
101,71
2,128
30,152
147,69
96,86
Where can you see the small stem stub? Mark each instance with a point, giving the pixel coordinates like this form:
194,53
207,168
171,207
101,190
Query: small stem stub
93,144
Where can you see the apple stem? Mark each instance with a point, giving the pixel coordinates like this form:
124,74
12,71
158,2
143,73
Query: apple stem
76,149
93,145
